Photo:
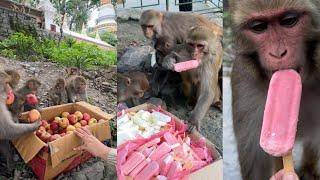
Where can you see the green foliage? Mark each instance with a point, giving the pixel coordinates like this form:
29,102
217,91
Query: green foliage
107,37
68,52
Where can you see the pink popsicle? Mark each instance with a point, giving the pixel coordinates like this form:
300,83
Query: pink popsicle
152,169
161,150
186,65
139,167
281,113
133,161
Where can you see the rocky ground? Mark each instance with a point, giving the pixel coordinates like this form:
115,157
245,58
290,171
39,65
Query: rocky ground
133,48
101,93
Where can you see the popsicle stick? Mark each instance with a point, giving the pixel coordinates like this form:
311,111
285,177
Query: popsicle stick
288,163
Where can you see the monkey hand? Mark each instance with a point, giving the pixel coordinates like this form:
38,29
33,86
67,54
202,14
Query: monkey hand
168,63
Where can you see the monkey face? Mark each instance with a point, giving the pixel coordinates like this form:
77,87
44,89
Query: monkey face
148,31
279,38
81,87
197,49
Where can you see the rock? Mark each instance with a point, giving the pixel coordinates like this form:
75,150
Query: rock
95,171
129,14
135,58
79,176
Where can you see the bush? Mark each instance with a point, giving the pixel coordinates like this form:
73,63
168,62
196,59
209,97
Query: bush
69,52
107,37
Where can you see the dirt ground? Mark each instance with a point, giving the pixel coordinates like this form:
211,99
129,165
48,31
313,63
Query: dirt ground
101,93
130,34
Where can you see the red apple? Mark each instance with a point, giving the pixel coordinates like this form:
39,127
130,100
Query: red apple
50,132
45,136
83,122
40,131
92,121
45,124
72,119
10,97
86,116
61,130
54,137
34,115
54,126
57,119
32,99
64,122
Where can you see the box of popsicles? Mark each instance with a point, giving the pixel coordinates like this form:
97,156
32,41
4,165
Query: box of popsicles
48,160
155,144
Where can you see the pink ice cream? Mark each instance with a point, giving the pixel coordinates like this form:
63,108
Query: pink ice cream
281,113
186,65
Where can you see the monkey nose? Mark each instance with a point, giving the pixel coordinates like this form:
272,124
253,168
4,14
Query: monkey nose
278,53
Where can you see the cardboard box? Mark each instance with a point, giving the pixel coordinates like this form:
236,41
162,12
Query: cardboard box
49,161
211,171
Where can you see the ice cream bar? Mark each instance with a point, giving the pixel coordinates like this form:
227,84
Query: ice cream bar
161,150
146,152
186,65
139,167
281,113
170,138
174,168
165,165
152,169
149,144
133,161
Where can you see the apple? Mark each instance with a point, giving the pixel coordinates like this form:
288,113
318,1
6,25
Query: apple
32,99
42,128
10,97
77,125
57,119
61,130
45,136
86,116
54,126
63,134
40,131
92,121
69,132
54,137
72,119
83,122
45,124
50,132
70,128
65,114
64,122
79,115
34,115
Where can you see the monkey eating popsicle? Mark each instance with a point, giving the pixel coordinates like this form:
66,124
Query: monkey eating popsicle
186,65
281,116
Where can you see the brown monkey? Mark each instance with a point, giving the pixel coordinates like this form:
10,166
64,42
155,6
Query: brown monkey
15,78
9,129
58,93
76,89
72,71
269,36
31,87
131,87
200,83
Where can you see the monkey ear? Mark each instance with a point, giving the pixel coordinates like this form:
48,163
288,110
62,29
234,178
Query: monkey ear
128,81
167,45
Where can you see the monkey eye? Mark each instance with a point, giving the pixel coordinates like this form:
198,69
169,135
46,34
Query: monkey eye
191,44
200,46
289,20
258,26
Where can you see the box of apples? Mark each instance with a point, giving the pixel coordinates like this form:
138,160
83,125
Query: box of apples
171,153
49,150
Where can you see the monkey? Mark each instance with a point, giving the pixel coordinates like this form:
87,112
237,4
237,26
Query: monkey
271,36
202,82
58,93
9,128
15,78
30,87
72,71
76,87
131,87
